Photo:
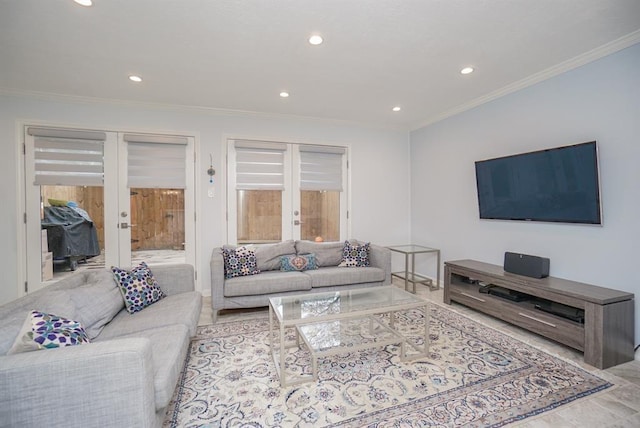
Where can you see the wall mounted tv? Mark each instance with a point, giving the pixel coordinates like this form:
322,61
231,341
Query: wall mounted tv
553,185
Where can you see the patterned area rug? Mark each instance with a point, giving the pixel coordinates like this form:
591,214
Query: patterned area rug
475,376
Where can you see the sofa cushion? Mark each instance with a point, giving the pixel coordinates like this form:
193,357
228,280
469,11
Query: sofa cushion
330,276
267,283
182,308
97,302
354,255
58,302
138,286
175,278
268,255
327,253
294,262
46,331
169,346
240,261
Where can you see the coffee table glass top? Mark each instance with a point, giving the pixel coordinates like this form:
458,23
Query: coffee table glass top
341,303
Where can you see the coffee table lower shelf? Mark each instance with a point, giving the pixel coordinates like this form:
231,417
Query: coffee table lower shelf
342,336
326,339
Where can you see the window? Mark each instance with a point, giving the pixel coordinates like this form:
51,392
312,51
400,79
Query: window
67,157
281,191
155,161
259,172
321,184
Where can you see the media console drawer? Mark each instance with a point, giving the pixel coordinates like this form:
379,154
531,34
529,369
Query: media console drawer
595,320
522,314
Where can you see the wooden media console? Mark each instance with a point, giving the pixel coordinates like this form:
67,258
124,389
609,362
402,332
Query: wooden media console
595,320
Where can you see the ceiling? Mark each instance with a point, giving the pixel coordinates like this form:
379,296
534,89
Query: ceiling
232,55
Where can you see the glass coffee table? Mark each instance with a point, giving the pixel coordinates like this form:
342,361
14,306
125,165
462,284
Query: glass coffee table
340,322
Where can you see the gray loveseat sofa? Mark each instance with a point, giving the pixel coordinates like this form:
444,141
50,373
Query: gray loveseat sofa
125,377
255,290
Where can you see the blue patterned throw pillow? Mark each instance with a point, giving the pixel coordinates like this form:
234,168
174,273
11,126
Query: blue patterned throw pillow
47,331
355,255
138,287
239,261
298,263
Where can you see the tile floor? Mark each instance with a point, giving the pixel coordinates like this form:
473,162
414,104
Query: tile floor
151,257
618,406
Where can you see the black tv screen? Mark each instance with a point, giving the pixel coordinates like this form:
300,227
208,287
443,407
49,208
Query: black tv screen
553,185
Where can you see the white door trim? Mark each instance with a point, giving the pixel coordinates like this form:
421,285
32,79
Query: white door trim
23,243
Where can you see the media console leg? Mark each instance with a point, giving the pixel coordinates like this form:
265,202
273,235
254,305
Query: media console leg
609,334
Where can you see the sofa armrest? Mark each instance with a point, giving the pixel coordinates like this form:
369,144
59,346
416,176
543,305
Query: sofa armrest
380,257
174,278
217,280
104,384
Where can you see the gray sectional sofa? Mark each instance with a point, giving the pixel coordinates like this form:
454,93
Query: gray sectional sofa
125,377
255,290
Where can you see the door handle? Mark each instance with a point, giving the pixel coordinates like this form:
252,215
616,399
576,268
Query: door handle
297,222
126,225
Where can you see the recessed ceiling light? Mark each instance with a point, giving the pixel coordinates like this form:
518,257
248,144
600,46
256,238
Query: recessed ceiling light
84,2
467,70
284,94
396,108
135,78
315,39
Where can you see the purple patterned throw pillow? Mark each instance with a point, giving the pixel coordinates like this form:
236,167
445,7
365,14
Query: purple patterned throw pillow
47,331
138,287
355,255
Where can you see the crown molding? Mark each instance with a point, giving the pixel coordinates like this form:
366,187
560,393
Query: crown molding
573,63
80,99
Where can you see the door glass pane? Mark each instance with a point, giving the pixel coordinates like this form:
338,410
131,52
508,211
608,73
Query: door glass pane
259,216
72,223
320,215
157,226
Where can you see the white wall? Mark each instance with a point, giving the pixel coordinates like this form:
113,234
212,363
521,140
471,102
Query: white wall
599,101
379,159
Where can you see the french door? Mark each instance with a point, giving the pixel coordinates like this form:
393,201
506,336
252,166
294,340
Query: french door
96,198
279,191
155,191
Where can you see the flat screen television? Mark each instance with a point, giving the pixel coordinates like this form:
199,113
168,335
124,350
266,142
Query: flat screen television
552,185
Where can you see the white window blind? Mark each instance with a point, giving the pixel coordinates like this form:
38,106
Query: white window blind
259,165
321,168
66,157
156,161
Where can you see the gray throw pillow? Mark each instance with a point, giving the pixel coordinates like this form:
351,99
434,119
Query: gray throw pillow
327,253
268,255
56,302
97,302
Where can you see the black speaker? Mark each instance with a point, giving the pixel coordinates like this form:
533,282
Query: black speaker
523,264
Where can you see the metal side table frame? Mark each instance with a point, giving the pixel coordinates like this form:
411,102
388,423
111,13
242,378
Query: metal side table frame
410,276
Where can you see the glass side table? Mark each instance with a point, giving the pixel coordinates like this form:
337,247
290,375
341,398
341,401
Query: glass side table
410,276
